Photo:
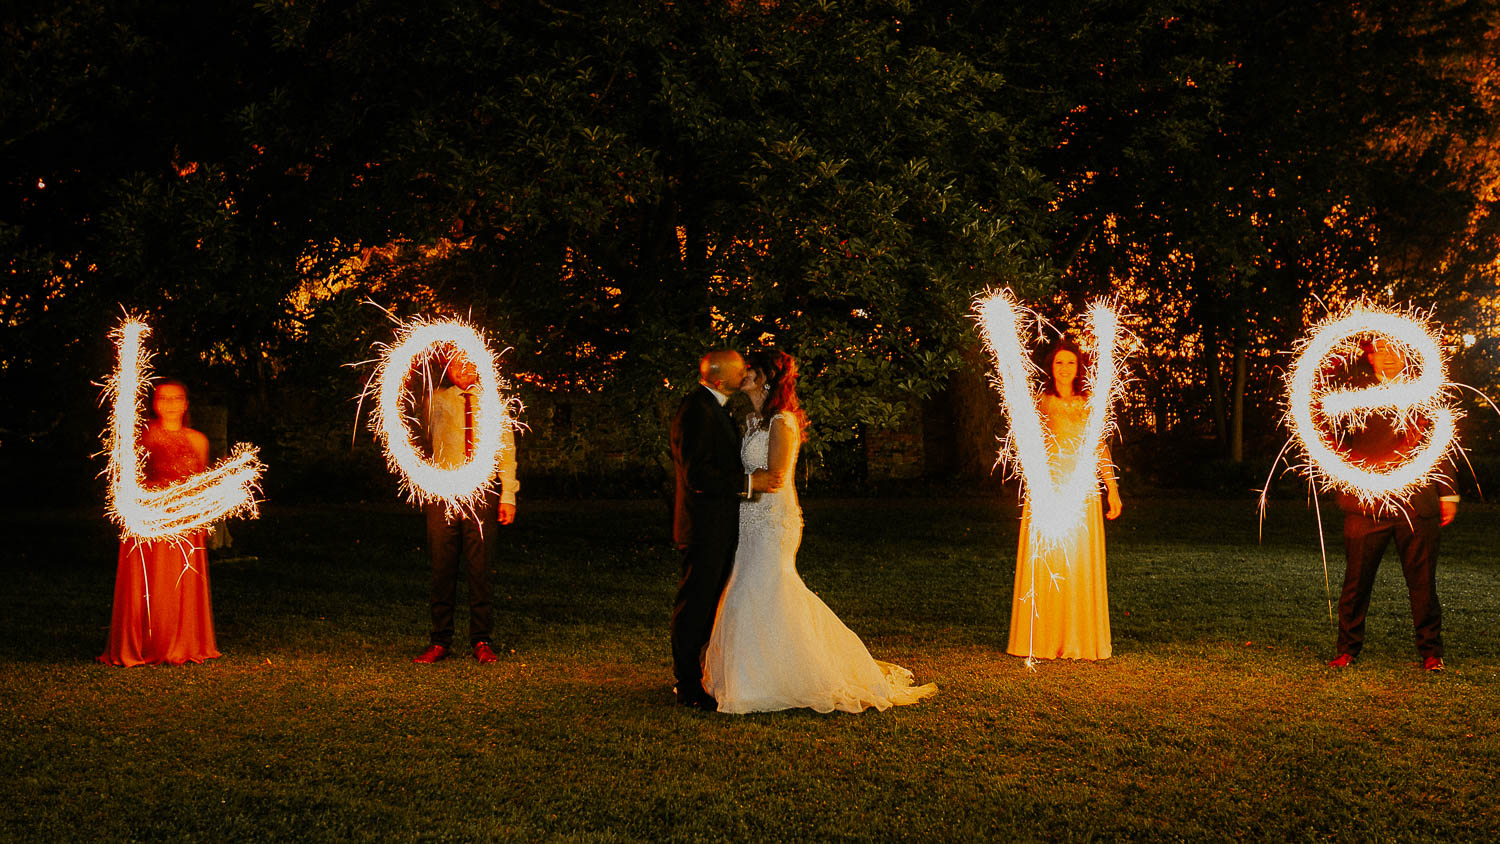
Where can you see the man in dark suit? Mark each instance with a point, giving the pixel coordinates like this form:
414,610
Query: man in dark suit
711,482
1414,524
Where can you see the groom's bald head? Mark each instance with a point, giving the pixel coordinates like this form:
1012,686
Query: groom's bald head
722,369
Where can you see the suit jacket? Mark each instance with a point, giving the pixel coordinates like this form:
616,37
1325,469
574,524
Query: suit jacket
706,454
1379,445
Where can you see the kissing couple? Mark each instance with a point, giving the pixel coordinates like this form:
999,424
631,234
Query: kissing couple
747,634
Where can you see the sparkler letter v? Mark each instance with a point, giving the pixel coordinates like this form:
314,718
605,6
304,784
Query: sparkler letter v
1057,502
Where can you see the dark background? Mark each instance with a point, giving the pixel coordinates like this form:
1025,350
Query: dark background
608,188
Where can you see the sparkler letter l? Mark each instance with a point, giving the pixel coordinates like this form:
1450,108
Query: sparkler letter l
188,505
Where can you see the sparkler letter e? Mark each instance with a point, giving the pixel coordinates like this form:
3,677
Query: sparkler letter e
1401,396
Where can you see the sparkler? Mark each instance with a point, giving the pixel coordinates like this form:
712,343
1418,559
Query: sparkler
1313,409
1056,499
1057,503
462,488
188,505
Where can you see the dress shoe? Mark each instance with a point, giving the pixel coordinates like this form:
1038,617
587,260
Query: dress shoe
431,655
702,700
484,653
1433,663
1341,661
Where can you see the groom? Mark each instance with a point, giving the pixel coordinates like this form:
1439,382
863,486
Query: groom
711,482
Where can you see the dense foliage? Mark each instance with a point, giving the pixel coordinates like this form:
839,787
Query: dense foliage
611,187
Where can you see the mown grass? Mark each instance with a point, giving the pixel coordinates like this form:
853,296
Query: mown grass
1215,719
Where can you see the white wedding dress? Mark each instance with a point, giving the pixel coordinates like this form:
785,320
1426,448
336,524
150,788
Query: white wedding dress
776,645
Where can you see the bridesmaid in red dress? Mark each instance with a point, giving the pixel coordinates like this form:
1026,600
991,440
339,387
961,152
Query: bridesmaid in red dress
162,611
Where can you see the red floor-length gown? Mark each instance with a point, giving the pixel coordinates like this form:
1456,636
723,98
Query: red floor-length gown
176,624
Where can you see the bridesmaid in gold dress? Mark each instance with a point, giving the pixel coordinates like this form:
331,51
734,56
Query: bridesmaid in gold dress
1061,605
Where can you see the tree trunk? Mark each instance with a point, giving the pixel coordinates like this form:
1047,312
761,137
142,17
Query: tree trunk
1237,407
978,421
1215,384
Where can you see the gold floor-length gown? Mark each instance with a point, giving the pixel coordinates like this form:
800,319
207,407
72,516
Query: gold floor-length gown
1061,605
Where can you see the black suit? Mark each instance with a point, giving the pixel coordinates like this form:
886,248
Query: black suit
1414,526
706,525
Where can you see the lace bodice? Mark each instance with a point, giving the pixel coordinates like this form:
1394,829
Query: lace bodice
778,508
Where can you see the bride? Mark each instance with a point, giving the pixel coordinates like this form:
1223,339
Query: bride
775,644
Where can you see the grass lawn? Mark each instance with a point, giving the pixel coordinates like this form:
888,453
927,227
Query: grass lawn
1216,718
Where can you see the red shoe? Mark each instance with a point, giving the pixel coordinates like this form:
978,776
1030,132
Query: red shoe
1433,663
1341,661
431,655
484,654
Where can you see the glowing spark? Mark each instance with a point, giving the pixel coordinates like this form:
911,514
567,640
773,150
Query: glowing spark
462,488
177,510
1057,504
1313,409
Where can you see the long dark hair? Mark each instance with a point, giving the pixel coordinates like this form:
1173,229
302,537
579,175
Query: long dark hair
780,371
1064,344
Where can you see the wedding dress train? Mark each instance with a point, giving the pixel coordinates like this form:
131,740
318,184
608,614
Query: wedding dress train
776,645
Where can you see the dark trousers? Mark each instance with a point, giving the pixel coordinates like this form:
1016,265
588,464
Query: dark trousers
471,542
706,565
1365,539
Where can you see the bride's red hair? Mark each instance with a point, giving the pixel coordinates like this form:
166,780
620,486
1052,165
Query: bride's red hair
780,371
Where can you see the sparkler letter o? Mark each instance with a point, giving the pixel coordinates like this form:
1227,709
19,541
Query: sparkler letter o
1401,397
462,485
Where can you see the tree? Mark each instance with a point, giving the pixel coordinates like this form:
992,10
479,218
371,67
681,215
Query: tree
1225,167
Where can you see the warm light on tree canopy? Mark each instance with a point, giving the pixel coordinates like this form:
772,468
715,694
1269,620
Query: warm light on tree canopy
1220,166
